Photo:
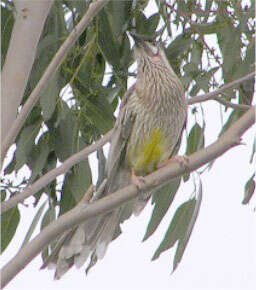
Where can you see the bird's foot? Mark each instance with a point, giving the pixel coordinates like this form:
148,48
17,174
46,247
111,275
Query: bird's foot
139,181
182,160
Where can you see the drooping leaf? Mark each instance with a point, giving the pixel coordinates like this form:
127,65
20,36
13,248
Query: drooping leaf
118,13
180,228
49,216
191,222
48,98
177,227
76,183
9,222
195,139
65,134
25,144
234,116
162,200
253,149
7,21
249,190
33,225
39,157
107,42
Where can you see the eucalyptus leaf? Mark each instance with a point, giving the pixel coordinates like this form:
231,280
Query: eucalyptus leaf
177,228
9,223
249,190
7,21
33,225
41,153
49,216
195,139
65,134
76,183
25,144
162,199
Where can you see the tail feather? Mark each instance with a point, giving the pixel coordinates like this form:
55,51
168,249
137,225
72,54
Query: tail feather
93,237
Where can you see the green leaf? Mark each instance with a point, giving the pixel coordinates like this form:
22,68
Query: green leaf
233,117
76,182
195,139
146,26
177,228
229,40
7,21
48,98
249,190
99,111
39,157
253,149
33,225
162,200
190,221
207,28
49,216
118,13
25,143
9,223
107,42
65,134
180,228
75,186
3,195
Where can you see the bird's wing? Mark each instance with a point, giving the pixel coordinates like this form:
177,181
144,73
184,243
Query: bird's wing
119,142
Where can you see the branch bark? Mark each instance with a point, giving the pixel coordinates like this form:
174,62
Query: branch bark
82,212
92,11
28,26
52,174
213,95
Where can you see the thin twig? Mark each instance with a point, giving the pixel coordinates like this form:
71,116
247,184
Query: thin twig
106,204
214,94
240,107
52,174
92,11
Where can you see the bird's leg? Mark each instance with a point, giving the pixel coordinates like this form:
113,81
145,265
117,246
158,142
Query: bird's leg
139,181
182,160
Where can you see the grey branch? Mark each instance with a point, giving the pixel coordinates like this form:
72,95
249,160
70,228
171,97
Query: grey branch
83,212
240,107
213,95
92,11
52,174
28,26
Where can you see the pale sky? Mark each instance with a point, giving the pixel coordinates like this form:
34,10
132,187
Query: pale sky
221,253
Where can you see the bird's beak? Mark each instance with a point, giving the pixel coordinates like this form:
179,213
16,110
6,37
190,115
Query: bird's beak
137,39
141,42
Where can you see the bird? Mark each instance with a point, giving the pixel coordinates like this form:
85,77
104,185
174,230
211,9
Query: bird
147,135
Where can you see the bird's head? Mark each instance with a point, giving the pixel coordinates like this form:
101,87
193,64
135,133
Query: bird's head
149,53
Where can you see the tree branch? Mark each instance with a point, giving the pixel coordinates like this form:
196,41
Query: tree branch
82,212
213,95
240,107
92,11
52,174
28,26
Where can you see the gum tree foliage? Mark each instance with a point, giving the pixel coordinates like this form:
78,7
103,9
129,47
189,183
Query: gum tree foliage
77,106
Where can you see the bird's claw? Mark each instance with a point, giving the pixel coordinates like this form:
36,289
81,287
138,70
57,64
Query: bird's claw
138,181
182,160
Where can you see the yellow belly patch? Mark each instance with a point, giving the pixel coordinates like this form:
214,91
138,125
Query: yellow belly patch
147,156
